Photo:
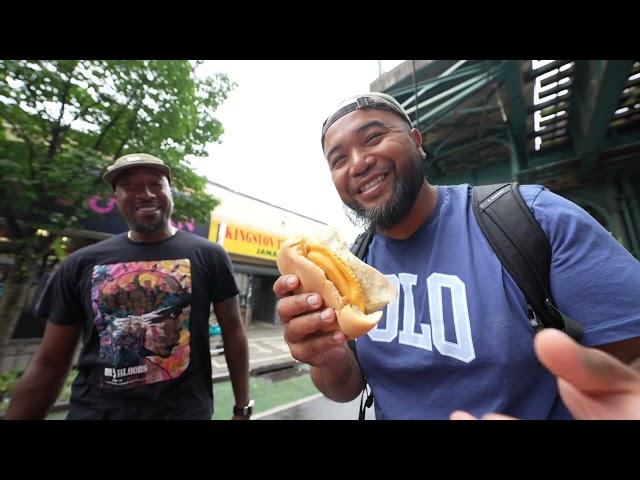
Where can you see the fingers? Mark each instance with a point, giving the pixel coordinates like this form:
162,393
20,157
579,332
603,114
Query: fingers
285,284
496,416
587,369
295,305
309,330
557,352
311,335
304,325
460,415
312,349
290,305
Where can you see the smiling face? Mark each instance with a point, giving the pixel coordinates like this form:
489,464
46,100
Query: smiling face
375,160
144,199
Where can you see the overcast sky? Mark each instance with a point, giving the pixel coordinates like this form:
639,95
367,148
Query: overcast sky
272,121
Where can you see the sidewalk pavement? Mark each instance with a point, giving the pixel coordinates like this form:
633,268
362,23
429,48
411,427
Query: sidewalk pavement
267,351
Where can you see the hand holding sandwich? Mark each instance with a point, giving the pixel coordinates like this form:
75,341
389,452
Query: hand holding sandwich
318,270
310,328
312,334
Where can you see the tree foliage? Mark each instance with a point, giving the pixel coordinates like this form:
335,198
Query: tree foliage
64,121
61,124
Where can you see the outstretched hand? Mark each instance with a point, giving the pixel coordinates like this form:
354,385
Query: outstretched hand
593,384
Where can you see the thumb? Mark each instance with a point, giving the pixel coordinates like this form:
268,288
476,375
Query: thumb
587,369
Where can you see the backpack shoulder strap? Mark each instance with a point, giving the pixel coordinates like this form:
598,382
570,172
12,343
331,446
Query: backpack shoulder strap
366,390
524,250
360,248
360,245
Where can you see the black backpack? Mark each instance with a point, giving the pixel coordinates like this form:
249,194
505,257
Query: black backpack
522,247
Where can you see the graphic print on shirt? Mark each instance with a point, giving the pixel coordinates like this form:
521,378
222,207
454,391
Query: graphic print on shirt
432,333
141,314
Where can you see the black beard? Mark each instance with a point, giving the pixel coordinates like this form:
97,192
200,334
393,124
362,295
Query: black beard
147,227
394,210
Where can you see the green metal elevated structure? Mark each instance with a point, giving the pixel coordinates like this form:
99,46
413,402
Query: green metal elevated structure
571,125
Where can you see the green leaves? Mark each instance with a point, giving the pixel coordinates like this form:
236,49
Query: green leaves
63,122
8,381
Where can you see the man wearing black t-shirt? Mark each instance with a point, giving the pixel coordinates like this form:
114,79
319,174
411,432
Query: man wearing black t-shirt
141,302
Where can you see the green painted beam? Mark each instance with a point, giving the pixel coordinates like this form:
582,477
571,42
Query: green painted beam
446,76
478,109
630,196
463,145
438,122
449,104
631,229
441,144
446,93
517,161
597,88
456,128
485,175
552,155
433,82
479,154
623,139
518,112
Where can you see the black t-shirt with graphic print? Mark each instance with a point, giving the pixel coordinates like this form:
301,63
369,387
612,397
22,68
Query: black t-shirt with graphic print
144,308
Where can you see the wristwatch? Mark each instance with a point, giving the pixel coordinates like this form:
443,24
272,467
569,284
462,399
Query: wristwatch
245,411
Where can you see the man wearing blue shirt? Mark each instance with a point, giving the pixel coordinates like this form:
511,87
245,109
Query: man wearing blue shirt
458,337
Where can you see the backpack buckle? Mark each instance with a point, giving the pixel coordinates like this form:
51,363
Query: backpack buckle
533,319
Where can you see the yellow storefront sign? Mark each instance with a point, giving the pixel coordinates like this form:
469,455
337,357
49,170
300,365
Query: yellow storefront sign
245,240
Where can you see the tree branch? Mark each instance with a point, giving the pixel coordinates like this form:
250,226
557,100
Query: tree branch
55,133
57,129
129,130
12,224
111,124
20,132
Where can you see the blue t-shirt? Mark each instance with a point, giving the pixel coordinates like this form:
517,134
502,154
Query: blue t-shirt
458,335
